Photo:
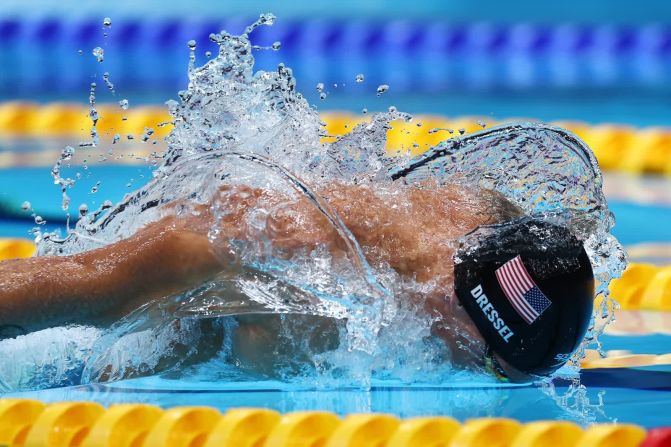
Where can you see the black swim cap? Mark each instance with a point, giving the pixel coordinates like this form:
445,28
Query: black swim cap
529,288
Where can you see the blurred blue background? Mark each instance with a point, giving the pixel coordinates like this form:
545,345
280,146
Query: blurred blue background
598,61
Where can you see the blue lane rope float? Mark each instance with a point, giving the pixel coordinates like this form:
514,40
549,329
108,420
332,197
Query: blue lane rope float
42,54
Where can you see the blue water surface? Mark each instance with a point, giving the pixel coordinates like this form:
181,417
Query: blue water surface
641,396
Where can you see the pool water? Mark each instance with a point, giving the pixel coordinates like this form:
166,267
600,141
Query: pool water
636,395
640,395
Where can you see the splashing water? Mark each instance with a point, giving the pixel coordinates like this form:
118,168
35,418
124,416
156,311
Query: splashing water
99,54
236,126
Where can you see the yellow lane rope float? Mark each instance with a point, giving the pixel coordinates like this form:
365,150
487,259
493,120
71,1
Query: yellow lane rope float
16,248
644,287
617,147
623,359
31,423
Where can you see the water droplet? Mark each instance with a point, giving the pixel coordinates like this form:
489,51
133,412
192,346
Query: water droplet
107,22
67,153
106,204
65,200
39,220
482,124
93,114
192,54
129,136
382,89
83,209
359,78
123,104
99,54
364,110
115,139
441,129
26,206
419,124
208,54
392,109
322,96
276,45
267,19
80,52
462,131
320,87
108,83
148,132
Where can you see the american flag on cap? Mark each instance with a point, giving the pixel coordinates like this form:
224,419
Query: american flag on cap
521,290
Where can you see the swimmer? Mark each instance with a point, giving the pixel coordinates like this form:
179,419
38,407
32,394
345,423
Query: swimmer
521,297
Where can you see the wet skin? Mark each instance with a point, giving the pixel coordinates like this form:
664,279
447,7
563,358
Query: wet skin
412,229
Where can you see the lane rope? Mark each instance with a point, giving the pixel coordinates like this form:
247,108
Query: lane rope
617,147
428,56
31,423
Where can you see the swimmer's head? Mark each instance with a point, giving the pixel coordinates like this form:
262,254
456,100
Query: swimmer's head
528,287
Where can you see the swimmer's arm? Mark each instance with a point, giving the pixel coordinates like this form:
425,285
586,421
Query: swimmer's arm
161,259
99,286
174,254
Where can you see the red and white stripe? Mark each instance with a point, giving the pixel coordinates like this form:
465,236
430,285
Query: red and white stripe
515,282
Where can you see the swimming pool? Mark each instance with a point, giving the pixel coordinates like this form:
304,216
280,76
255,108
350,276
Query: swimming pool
637,394
543,69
